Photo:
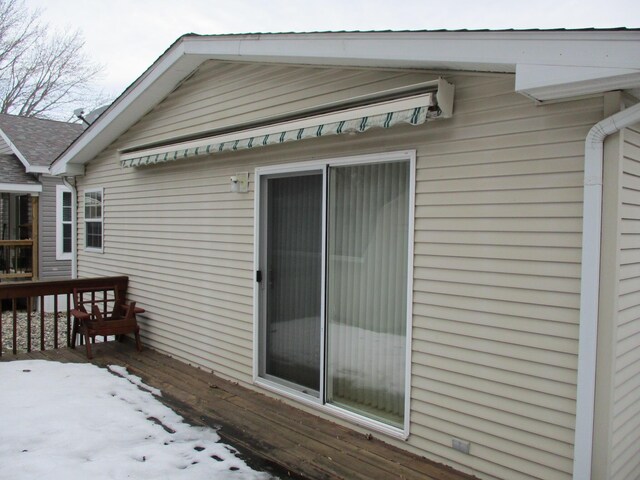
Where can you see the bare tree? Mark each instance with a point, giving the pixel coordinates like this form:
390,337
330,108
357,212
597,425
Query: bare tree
41,74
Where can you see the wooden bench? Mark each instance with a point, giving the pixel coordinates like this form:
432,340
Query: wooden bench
102,312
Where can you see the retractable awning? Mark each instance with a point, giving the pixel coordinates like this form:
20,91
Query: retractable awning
414,110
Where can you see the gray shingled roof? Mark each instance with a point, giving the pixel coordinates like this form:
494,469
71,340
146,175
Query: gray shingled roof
40,141
12,171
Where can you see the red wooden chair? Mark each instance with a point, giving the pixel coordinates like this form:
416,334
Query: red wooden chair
100,311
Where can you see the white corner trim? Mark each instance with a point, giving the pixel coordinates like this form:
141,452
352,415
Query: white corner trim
590,285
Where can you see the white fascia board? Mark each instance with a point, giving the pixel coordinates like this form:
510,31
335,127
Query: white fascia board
20,188
481,51
550,82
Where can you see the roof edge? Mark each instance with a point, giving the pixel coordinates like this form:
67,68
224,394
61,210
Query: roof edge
479,51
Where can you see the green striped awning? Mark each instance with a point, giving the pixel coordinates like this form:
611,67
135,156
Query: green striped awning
289,132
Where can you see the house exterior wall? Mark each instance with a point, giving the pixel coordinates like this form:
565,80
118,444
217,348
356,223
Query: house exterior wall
496,266
50,268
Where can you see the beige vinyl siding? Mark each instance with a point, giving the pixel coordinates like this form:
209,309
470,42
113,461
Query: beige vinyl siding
496,266
50,268
625,440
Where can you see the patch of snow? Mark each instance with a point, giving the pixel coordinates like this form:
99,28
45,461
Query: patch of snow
137,381
78,421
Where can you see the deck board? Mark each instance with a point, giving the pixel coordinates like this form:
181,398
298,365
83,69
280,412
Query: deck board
292,441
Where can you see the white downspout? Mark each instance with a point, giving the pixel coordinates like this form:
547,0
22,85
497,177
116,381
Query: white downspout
74,226
590,284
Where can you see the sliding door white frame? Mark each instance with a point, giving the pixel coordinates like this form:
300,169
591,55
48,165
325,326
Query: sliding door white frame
279,388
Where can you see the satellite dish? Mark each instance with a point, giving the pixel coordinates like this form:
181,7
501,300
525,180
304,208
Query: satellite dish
92,115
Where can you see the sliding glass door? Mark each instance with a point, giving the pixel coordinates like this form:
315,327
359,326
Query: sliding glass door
334,251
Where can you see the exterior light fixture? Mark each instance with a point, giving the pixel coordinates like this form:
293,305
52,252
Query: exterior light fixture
240,182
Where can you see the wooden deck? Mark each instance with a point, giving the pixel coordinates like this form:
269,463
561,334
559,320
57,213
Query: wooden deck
272,435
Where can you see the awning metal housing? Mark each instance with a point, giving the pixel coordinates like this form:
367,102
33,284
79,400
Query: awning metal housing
412,110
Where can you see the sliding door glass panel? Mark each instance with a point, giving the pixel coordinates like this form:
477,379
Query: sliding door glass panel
293,280
367,289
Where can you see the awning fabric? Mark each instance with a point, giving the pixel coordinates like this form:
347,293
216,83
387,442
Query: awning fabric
243,140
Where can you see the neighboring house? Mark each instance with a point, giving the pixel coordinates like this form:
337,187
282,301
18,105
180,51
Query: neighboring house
310,215
35,207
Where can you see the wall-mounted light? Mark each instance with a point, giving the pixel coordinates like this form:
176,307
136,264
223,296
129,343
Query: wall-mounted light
240,182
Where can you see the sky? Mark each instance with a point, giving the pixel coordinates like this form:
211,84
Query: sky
76,421
127,36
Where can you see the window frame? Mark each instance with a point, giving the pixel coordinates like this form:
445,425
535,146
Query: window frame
60,222
99,220
280,389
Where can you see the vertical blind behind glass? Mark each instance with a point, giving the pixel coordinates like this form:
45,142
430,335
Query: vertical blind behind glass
367,288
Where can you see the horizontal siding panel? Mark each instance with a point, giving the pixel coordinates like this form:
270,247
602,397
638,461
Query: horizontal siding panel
530,366
541,312
504,336
505,252
506,294
522,239
498,225
507,280
491,170
517,400
502,355
508,154
630,227
498,210
447,359
548,329
516,267
490,197
506,182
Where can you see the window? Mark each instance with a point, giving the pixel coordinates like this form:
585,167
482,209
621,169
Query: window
333,300
64,223
93,203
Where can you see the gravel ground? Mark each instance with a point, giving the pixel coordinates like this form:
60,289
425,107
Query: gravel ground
21,330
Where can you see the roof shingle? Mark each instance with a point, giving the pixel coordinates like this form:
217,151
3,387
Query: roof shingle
40,141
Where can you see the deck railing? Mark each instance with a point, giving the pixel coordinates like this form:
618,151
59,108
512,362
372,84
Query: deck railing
16,259
37,315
